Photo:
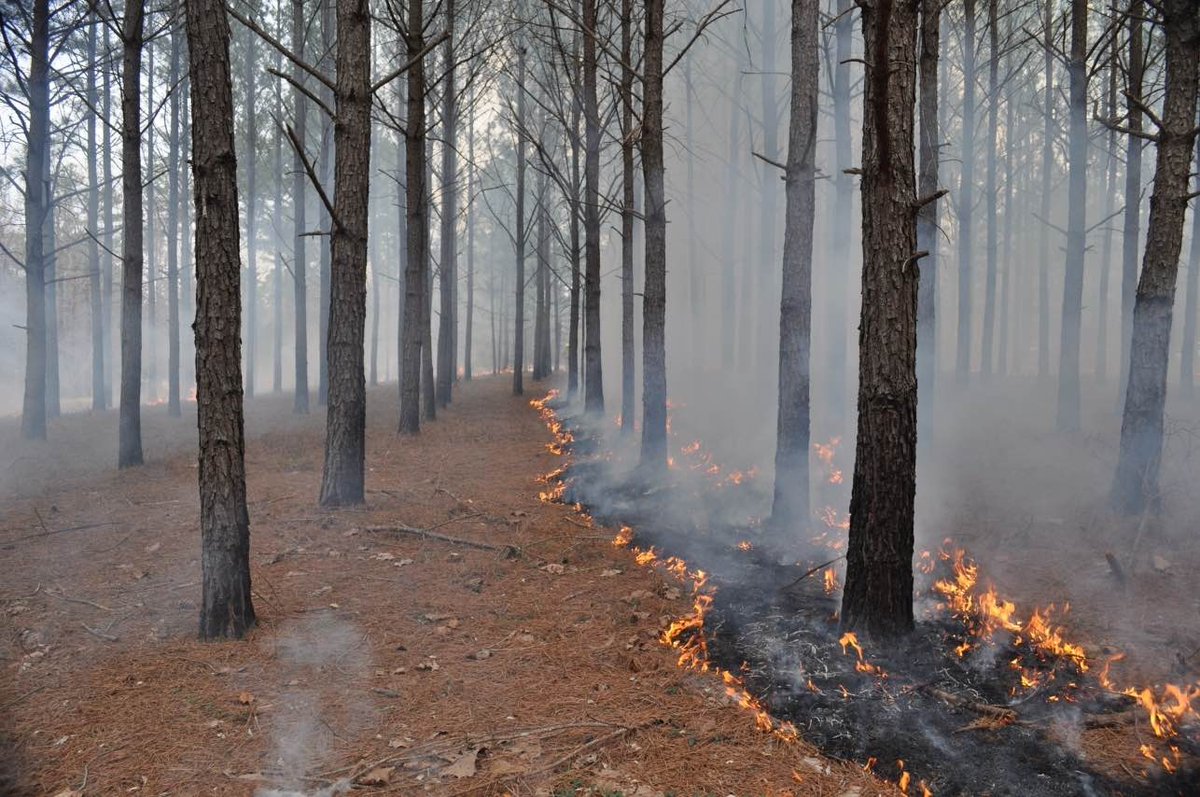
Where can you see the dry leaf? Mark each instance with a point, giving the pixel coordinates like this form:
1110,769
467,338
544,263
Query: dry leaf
380,776
465,765
554,568
245,698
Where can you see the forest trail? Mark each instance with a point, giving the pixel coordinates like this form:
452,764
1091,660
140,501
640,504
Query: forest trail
417,664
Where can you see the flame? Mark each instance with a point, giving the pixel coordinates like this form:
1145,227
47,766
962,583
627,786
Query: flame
850,640
624,537
831,581
745,545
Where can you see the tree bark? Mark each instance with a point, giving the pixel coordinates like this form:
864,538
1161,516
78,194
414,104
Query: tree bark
277,278
790,505
449,241
95,293
416,233
469,333
299,222
250,157
130,426
37,206
519,313
628,374
654,300
226,607
1072,304
593,376
877,599
927,216
325,168
1132,221
346,420
1135,486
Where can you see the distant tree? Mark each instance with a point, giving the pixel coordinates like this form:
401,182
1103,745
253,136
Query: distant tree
593,376
790,504
1135,485
654,300
448,266
37,208
226,608
878,595
299,221
927,217
412,336
130,427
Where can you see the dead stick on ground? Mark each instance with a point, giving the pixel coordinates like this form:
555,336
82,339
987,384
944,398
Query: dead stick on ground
430,535
51,532
98,634
986,709
808,573
82,601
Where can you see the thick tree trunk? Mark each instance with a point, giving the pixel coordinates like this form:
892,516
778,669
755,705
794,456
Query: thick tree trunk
1131,234
927,216
449,240
346,420
130,426
966,197
1135,486
628,374
37,206
226,608
416,233
299,222
95,293
593,400
878,597
1072,304
173,406
654,301
790,505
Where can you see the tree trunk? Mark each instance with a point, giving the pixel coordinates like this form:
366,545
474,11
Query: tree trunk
992,245
841,250
628,374
519,322
346,421
299,256
277,287
593,400
966,197
1188,361
449,241
768,248
1072,304
575,210
50,269
1048,47
95,294
1135,486
730,232
226,608
173,407
325,172
654,300
37,206
150,346
469,333
1130,237
416,233
106,202
790,505
878,597
187,297
1110,193
250,156
130,426
927,216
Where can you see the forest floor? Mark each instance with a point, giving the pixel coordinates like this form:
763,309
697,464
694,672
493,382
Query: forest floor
527,666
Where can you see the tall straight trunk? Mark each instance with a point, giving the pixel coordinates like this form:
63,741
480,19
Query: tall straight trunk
130,427
377,222
628,374
519,313
1072,304
790,504
1188,361
541,323
469,332
966,197
1131,234
37,206
277,271
1048,48
878,596
173,406
250,157
346,419
1009,267
593,400
654,300
449,241
574,204
728,266
95,293
325,171
927,216
993,232
151,234
768,249
107,236
416,233
841,250
1135,485
50,267
428,393
699,347
299,256
226,608
1110,192
187,297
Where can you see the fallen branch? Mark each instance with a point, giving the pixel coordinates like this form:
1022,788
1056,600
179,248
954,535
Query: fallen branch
999,713
82,601
50,532
98,634
1114,720
426,534
811,571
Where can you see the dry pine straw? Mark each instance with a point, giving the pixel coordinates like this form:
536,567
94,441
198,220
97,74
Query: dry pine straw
332,671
